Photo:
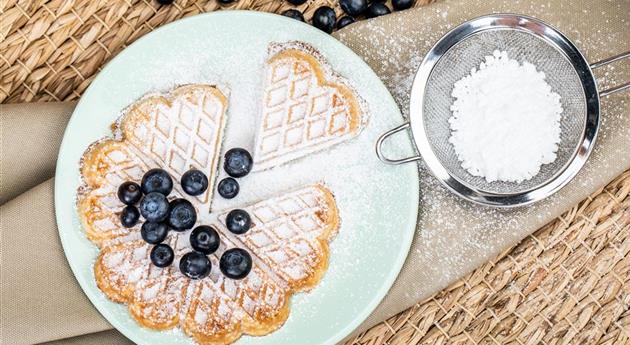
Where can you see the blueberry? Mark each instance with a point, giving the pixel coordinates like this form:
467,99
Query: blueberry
129,193
154,207
353,7
194,182
156,180
344,21
377,9
129,216
238,221
165,2
324,19
296,2
402,4
182,216
238,162
195,265
162,255
293,13
153,233
228,188
235,263
205,239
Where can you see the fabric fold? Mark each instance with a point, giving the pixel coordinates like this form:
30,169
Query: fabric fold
30,140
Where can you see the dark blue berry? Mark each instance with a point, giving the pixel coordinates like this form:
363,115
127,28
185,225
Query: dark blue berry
402,4
226,1
235,263
293,13
162,255
344,21
296,2
228,188
153,233
238,162
157,180
353,7
154,207
238,221
165,2
129,216
129,193
377,9
195,265
324,19
194,182
205,239
182,216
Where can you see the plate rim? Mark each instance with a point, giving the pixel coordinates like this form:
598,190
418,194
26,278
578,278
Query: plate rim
93,296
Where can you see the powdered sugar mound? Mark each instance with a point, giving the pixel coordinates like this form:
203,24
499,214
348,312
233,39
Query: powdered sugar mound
506,120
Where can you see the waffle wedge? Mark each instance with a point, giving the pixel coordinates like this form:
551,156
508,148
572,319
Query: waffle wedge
306,107
289,244
175,132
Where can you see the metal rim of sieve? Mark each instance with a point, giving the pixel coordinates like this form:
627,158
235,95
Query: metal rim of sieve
418,129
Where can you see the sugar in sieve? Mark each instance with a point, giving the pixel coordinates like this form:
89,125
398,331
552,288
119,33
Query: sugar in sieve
524,39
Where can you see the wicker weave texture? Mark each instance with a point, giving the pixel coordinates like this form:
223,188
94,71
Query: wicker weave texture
51,50
569,283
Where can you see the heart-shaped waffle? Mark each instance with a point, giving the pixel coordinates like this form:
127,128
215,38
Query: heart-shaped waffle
306,106
288,239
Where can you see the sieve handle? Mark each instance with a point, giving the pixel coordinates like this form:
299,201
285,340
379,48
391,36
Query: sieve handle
607,61
379,147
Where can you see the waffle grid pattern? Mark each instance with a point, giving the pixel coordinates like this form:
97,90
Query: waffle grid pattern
299,112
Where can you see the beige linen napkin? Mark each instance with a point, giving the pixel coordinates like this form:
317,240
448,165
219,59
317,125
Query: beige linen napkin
41,301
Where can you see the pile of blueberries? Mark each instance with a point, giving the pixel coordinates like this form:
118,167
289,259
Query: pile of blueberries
162,215
325,18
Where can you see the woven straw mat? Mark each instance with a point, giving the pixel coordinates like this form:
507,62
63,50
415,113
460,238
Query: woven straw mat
568,283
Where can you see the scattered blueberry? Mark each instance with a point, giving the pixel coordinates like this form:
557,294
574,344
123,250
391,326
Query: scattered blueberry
129,193
228,188
296,2
293,13
154,207
353,7
226,1
324,19
162,255
344,21
194,182
235,263
402,4
153,233
165,2
195,265
156,180
238,162
377,9
205,239
129,216
182,216
238,221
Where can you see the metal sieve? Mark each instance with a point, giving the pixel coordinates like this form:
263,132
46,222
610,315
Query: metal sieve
453,57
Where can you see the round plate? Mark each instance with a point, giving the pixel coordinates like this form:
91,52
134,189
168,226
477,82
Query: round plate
377,203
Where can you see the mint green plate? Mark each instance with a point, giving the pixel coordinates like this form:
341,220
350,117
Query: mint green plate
378,203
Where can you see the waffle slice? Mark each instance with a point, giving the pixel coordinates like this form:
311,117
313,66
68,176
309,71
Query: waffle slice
306,107
176,132
289,245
